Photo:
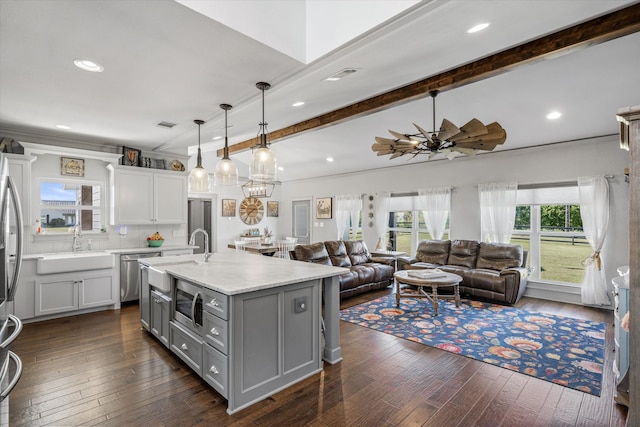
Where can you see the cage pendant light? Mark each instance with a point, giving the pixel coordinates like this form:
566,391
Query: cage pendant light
226,172
263,165
199,177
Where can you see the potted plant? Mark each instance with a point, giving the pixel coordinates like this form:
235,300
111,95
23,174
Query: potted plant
267,235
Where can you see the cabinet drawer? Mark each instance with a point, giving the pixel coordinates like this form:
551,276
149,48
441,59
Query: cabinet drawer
215,370
215,303
215,332
187,346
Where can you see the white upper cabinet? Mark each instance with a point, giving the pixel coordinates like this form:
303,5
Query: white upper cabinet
144,196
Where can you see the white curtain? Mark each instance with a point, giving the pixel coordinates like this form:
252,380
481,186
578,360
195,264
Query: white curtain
435,204
594,210
381,217
347,206
497,211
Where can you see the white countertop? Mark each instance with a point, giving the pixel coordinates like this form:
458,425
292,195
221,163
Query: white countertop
234,273
145,249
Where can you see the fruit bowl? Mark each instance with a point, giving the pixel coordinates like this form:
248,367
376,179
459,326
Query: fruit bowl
155,243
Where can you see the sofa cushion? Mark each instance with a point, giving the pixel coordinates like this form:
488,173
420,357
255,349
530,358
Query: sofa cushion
487,280
433,251
498,256
381,272
463,253
338,253
358,252
315,253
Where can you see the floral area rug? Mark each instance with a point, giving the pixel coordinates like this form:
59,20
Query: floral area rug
563,350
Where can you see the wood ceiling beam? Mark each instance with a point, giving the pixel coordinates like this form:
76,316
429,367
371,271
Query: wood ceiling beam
595,31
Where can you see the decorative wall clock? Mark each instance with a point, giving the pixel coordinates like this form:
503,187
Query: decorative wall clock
251,211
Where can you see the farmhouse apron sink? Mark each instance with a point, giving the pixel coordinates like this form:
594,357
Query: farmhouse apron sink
74,261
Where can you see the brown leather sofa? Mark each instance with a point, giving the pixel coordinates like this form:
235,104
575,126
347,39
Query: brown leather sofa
490,271
366,272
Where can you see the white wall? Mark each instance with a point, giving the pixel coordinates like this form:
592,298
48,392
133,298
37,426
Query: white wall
552,163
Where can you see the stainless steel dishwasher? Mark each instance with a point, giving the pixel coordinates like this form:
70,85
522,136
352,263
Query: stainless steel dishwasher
130,276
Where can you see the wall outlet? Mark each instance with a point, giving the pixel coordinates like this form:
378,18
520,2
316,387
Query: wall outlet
300,305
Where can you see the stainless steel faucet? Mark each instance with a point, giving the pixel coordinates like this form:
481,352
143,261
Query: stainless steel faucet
77,234
192,241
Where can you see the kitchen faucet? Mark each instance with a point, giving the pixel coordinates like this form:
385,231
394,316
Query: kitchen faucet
192,241
77,234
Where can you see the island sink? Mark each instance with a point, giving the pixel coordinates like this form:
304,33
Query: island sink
74,261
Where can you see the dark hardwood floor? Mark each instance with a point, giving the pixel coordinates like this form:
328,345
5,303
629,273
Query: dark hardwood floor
102,369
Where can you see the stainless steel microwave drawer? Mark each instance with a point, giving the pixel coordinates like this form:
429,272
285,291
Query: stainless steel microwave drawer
187,346
216,370
216,303
215,332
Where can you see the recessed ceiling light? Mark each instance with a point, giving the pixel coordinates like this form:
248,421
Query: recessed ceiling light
298,104
85,64
554,115
329,159
65,127
280,168
215,138
477,28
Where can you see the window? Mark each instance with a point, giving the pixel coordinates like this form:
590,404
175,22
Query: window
407,226
65,204
549,227
354,231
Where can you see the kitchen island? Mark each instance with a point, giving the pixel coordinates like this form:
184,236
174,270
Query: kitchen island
253,324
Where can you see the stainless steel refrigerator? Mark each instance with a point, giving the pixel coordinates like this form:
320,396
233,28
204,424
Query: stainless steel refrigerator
11,227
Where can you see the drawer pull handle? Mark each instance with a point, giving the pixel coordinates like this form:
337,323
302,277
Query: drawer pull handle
184,347
214,331
214,302
213,370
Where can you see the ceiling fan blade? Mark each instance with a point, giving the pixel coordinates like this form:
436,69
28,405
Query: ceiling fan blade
465,151
473,128
388,141
399,135
486,146
424,133
447,130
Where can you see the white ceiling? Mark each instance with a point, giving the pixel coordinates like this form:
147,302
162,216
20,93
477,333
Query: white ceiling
166,62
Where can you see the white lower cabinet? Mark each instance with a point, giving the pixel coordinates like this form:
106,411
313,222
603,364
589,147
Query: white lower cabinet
59,293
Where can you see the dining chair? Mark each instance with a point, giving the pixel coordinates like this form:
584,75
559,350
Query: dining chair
293,240
284,246
240,245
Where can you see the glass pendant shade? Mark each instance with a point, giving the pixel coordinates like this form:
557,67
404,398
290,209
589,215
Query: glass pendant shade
226,172
199,180
263,165
199,177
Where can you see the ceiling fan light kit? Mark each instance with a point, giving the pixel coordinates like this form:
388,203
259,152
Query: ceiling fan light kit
449,141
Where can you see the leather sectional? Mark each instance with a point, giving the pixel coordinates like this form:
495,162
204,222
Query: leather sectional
489,271
366,272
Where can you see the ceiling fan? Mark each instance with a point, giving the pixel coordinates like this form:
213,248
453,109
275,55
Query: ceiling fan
449,140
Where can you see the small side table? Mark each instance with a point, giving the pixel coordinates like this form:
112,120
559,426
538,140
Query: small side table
448,279
394,254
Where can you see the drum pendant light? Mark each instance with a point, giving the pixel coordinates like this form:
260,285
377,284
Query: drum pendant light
199,177
226,172
263,165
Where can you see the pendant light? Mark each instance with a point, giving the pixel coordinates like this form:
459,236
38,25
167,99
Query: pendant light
263,165
226,172
199,177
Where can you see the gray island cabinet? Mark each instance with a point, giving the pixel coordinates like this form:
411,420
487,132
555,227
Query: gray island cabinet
253,323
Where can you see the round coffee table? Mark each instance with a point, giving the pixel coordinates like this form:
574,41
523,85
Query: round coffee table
439,279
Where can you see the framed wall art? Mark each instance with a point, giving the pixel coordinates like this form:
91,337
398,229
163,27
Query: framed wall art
71,167
228,207
324,208
272,208
131,156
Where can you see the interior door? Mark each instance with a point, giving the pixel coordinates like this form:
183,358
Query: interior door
301,215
